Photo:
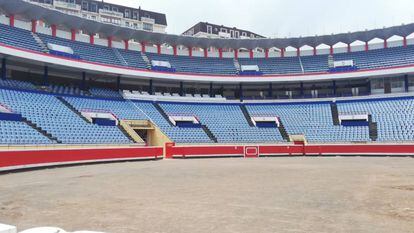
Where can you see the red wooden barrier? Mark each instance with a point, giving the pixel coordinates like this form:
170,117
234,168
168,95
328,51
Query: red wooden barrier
34,158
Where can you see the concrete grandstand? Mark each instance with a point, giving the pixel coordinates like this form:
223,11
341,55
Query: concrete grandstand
78,91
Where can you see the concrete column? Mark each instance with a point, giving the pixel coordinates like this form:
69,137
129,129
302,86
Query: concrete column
34,25
270,91
241,91
302,90
205,52
110,41
73,34
406,83
54,29
11,20
175,50
92,39
151,87
158,48
190,51
211,91
126,44
3,69
83,83
46,76
182,89
118,83
143,47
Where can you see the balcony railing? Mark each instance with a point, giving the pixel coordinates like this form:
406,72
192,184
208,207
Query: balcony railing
111,13
147,20
66,5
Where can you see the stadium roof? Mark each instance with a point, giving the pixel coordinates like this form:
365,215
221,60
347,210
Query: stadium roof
52,16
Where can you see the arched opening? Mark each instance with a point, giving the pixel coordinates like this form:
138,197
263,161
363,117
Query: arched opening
244,53
274,52
306,50
340,47
410,39
395,41
357,45
323,49
376,43
290,51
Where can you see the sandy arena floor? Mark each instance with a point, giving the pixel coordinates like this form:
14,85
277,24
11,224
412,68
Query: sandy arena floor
217,195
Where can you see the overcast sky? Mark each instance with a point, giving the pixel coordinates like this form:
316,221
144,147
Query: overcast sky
281,18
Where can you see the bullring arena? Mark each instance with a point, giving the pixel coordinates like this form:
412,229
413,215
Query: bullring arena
297,194
111,123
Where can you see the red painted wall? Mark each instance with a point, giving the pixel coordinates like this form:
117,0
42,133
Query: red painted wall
10,159
238,150
185,151
38,157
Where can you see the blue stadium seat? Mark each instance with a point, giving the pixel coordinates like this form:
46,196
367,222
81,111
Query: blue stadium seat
312,120
48,113
394,117
198,65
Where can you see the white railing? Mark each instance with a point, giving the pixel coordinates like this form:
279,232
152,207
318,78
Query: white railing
111,13
67,5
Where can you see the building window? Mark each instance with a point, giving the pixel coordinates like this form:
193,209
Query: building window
116,21
377,84
223,30
237,34
148,27
190,32
244,34
115,9
85,5
106,7
231,33
94,7
135,15
209,29
127,13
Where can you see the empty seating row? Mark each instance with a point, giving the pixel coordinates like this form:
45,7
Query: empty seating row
18,37
372,59
17,133
51,115
312,120
395,118
198,65
226,122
